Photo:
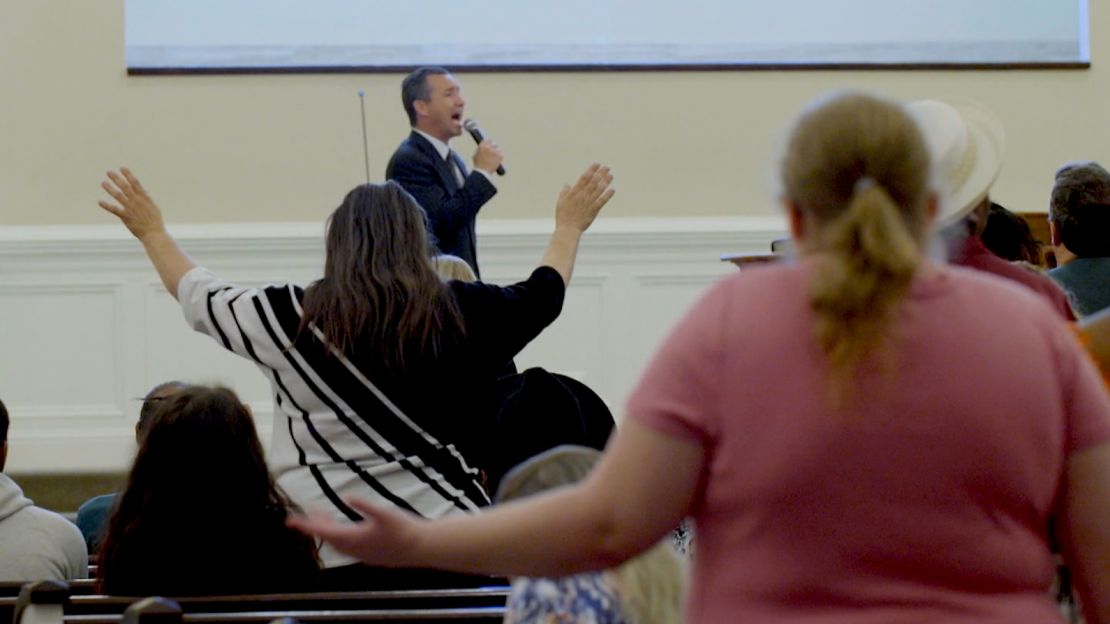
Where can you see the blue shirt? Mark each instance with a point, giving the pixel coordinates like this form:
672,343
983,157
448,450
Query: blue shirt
92,519
1087,282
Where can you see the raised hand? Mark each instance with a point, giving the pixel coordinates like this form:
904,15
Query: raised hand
136,210
578,205
141,215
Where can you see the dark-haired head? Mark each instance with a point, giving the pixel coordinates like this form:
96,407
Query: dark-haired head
1008,236
201,445
199,483
415,87
379,287
151,402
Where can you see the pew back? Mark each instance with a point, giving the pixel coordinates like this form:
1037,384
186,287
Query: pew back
401,605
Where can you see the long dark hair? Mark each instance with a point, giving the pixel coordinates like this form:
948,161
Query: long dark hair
379,289
201,513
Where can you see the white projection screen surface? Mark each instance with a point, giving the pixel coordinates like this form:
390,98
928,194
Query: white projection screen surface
369,35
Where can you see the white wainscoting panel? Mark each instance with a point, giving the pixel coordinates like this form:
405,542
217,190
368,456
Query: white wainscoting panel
86,327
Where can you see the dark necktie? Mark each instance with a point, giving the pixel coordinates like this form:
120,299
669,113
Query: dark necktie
456,166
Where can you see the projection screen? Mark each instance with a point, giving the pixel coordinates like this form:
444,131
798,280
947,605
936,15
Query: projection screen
369,35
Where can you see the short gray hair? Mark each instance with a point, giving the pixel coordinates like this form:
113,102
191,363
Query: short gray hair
1080,208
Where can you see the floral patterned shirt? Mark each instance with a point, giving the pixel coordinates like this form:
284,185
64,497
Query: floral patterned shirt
583,599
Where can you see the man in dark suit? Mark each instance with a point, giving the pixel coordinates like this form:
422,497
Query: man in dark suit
426,166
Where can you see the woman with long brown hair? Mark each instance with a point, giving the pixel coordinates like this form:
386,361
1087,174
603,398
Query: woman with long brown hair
200,513
382,374
864,435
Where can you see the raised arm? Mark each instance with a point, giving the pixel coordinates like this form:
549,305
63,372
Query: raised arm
630,500
575,210
142,217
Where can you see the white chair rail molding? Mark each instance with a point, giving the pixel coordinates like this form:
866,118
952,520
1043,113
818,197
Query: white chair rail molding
88,327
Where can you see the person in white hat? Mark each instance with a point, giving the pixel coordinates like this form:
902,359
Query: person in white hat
966,142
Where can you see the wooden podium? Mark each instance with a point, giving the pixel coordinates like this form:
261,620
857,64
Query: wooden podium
746,260
780,247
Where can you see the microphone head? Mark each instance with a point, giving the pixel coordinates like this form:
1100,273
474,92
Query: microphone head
361,93
470,125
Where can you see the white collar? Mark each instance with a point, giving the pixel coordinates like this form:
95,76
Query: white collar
441,148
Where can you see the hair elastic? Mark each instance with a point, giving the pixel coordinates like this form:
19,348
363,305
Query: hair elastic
863,184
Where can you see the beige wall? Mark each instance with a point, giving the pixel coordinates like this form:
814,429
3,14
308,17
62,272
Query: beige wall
278,148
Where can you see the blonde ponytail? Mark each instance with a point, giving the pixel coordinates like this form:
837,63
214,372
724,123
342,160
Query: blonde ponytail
856,166
870,260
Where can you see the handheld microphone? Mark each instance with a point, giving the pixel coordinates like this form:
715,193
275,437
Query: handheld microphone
365,148
471,126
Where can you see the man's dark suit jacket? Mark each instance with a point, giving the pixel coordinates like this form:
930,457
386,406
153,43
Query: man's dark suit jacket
417,167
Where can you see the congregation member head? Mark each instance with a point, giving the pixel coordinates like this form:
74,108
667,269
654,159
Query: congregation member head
35,544
1079,218
379,284
1008,236
200,513
151,402
93,514
648,589
855,185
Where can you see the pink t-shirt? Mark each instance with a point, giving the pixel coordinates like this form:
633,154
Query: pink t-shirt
928,502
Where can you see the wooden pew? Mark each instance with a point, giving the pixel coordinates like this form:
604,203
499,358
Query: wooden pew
474,603
493,596
41,603
469,615
10,589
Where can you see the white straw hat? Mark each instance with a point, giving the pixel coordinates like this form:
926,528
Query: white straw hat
966,142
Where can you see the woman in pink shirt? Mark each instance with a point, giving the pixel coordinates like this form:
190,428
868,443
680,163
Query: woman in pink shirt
863,435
